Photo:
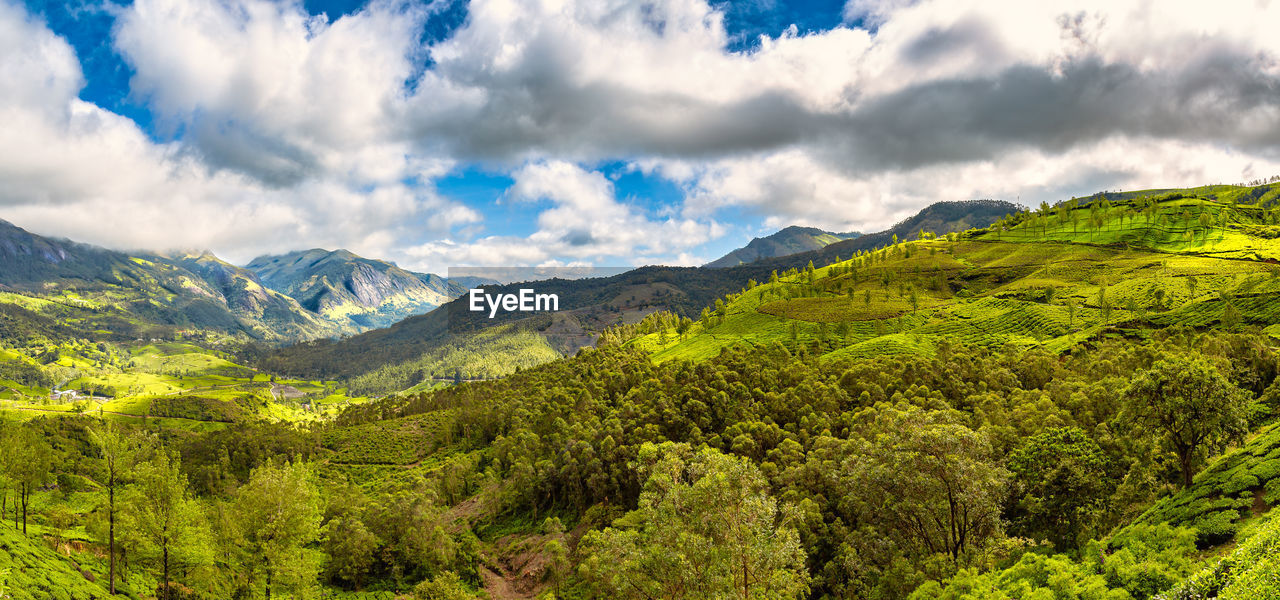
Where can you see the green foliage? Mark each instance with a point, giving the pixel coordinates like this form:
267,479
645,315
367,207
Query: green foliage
1252,570
705,527
278,513
1059,486
1194,406
167,526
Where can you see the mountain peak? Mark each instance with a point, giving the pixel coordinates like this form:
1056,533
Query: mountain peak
789,240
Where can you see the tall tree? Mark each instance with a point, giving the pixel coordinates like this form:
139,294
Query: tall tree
1195,408
706,527
116,449
928,478
165,517
280,509
29,462
1059,486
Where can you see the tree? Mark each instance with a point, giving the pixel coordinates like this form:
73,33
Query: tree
446,586
165,516
350,546
1230,316
30,458
705,527
117,453
280,509
1195,408
1059,486
925,477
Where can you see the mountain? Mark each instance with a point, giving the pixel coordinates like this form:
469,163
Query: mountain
120,296
940,218
791,240
588,307
360,292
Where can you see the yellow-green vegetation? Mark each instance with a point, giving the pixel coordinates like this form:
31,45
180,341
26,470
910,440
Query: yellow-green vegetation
1048,278
1239,486
487,354
169,383
30,569
1079,402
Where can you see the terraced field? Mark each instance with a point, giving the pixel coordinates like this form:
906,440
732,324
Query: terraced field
1052,278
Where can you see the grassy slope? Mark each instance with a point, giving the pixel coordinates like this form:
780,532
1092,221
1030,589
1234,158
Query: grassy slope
177,384
1149,258
989,286
31,570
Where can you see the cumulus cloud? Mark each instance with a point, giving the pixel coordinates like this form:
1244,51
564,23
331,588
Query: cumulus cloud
72,169
286,130
585,223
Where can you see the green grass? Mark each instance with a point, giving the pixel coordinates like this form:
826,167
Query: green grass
400,441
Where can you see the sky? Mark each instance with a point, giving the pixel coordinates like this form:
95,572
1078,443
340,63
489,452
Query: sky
440,133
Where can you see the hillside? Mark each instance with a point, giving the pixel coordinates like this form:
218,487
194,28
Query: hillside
341,286
1049,278
790,240
939,218
981,414
587,306
31,570
119,296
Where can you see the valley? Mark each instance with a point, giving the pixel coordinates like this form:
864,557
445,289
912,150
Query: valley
1076,401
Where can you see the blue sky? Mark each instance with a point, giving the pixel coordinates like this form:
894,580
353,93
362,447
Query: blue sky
495,132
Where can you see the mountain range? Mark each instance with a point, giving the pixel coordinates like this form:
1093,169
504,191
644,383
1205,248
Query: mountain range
298,296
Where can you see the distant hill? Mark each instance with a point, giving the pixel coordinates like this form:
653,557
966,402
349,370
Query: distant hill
791,240
343,287
940,218
119,295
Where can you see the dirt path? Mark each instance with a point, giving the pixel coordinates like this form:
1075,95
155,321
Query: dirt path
499,587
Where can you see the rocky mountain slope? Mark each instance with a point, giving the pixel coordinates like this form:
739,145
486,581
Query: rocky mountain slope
356,291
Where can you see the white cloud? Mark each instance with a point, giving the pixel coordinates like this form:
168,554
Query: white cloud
585,224
295,131
70,168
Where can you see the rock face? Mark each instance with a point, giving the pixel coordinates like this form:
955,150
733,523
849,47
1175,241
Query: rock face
342,286
791,240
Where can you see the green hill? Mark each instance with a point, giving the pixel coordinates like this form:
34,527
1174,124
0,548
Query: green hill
588,307
1048,278
31,570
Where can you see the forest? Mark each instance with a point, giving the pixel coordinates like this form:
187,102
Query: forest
759,473
1079,401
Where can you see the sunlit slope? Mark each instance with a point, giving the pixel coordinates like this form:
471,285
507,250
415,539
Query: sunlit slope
1050,277
177,384
31,570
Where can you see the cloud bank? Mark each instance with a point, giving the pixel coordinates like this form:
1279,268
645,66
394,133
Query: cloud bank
275,129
